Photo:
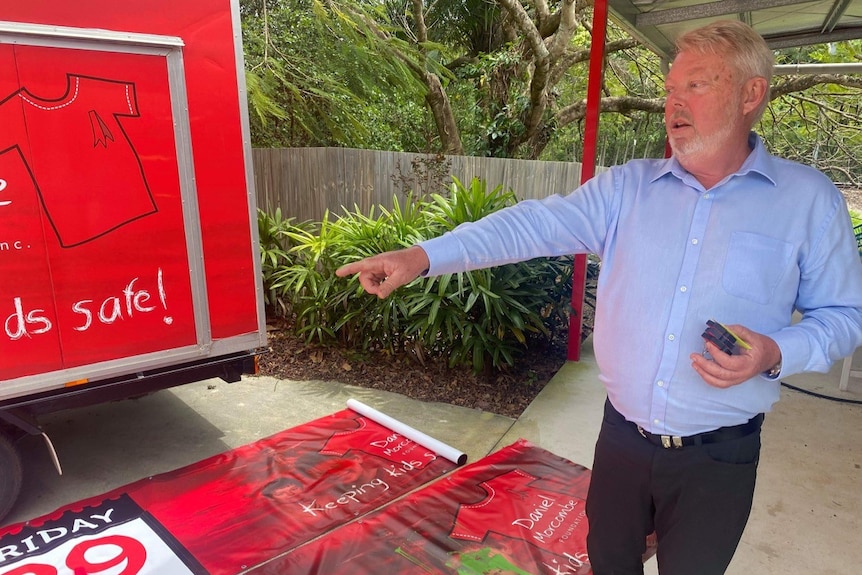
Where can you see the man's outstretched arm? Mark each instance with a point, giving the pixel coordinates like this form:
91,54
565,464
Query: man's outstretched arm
384,273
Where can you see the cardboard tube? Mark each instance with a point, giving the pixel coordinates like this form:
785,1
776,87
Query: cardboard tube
437,446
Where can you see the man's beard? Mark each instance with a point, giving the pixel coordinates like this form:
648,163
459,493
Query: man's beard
700,146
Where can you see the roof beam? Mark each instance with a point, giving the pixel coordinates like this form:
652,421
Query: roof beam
708,10
809,38
835,14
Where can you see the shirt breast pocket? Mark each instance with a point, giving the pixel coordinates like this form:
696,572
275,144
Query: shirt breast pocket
755,266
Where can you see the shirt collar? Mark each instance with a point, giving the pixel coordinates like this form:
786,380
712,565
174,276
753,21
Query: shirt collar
758,161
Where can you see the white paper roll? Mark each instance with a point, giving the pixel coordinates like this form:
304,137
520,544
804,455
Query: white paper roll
435,445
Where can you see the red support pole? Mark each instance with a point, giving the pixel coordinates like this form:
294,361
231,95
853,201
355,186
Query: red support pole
588,169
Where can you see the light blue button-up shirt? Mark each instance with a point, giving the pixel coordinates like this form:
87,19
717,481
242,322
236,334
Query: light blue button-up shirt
772,238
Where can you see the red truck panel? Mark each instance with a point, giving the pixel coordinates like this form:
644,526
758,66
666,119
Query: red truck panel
91,280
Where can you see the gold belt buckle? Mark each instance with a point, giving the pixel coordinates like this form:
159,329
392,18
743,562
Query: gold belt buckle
668,441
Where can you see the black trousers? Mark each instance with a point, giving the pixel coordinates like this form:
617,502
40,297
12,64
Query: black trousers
697,499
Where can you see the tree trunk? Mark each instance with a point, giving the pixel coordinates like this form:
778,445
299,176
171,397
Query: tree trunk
444,119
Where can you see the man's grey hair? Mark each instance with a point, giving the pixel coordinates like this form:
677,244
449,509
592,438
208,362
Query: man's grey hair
746,51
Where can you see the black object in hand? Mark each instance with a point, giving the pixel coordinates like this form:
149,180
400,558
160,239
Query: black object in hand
723,338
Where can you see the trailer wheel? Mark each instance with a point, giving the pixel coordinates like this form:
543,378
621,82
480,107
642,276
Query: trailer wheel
11,474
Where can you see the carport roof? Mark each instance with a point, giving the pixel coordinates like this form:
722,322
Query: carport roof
783,23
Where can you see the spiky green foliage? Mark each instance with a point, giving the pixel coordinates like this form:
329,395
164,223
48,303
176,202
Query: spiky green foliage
483,318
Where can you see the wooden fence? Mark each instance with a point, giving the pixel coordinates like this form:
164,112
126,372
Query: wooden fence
305,182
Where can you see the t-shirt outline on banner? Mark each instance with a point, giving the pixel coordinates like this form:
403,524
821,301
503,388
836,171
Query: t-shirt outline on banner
138,201
477,528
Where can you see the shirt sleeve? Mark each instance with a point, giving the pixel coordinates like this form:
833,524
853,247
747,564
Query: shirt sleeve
554,226
829,300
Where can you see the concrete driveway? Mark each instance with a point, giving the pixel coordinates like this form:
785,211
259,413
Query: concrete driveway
808,505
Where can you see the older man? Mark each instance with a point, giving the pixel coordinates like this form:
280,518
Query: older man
721,231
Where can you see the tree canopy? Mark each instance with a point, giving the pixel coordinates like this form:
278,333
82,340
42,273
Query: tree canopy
504,79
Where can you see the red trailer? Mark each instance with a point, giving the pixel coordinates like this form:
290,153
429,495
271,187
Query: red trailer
128,236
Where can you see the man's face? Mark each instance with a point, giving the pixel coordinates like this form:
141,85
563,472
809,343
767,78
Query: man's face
703,111
286,491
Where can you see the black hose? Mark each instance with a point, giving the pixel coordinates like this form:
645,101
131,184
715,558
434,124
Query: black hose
821,395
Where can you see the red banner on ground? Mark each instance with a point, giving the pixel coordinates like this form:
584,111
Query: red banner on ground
228,513
341,494
517,511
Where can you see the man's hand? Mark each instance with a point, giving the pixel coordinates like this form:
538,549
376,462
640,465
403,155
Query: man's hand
725,370
384,273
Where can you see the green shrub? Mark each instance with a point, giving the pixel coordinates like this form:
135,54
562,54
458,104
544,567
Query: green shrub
483,318
273,255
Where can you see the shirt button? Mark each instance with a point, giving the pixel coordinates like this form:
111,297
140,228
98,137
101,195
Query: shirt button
694,241
660,383
706,196
683,289
671,337
656,421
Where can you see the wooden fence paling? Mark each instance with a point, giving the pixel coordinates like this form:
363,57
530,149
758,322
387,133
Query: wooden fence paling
305,182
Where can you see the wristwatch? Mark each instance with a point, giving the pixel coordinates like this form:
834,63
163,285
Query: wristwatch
773,372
